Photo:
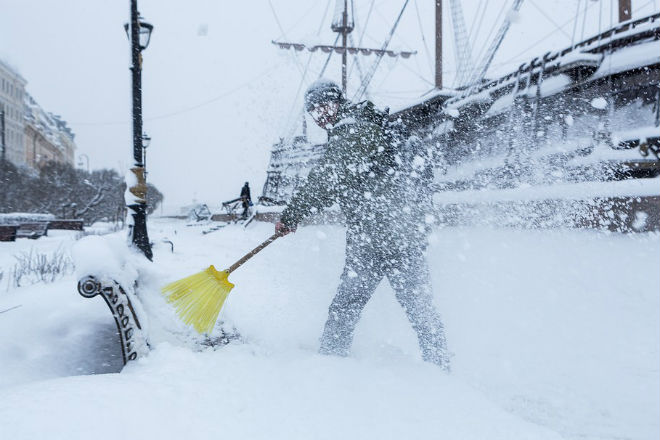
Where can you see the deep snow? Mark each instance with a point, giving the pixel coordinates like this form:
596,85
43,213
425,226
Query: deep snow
555,334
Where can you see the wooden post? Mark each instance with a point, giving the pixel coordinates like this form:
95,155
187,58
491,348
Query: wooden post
438,44
343,43
625,12
2,135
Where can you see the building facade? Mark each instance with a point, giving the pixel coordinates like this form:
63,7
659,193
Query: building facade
32,136
12,105
47,137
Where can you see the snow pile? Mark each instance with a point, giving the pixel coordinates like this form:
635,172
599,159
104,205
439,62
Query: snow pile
238,393
600,103
23,217
528,316
107,257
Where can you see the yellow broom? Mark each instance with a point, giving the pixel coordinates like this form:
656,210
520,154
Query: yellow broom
199,297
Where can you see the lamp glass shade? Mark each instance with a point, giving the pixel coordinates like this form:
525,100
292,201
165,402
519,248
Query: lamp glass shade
145,34
146,140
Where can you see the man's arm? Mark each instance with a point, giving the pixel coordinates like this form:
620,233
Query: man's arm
315,194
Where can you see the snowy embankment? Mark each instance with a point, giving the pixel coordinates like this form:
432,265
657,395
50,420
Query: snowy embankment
566,191
555,335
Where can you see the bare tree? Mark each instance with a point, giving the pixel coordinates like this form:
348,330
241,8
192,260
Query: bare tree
64,191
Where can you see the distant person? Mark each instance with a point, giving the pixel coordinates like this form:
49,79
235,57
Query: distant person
246,199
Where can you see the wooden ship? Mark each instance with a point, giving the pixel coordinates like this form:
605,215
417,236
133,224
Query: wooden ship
582,114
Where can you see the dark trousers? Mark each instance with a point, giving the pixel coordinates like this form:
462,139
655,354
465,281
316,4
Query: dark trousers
246,206
367,262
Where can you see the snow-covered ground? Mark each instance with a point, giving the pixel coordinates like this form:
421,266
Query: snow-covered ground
555,334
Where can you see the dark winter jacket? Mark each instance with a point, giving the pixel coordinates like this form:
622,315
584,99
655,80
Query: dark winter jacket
359,171
245,193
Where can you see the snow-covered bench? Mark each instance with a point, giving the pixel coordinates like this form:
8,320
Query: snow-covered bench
107,268
66,224
129,330
32,230
8,232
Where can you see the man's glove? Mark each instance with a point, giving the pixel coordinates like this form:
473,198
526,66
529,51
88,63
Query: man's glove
281,228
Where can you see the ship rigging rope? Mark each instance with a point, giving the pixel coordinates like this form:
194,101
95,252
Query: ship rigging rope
295,99
480,8
584,21
538,8
294,103
389,72
301,112
327,60
356,59
545,37
600,19
356,62
192,107
426,47
303,16
566,23
484,65
484,49
277,20
325,14
586,80
517,56
481,21
372,71
366,22
577,13
474,30
410,69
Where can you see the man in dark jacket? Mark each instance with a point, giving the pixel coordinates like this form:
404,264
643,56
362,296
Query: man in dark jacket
245,199
360,171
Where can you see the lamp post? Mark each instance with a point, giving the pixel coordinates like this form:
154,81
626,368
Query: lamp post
80,163
2,134
139,33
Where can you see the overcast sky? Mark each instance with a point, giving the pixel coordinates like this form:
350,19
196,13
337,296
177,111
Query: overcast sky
217,93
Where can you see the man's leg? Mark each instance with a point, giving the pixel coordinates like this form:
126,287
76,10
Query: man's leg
361,275
409,276
245,208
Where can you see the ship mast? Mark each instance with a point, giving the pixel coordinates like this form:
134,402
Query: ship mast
625,12
438,44
344,27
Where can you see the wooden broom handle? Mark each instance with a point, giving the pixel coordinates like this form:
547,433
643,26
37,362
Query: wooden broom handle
254,251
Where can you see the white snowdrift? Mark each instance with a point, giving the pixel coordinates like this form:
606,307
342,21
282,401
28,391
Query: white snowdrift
555,334
237,393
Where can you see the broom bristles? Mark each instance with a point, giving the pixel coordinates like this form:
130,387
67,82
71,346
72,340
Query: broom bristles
199,297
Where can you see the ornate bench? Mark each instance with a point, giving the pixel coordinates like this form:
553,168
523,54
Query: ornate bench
131,337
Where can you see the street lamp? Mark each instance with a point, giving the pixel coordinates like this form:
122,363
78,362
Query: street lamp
146,140
139,33
144,32
80,162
